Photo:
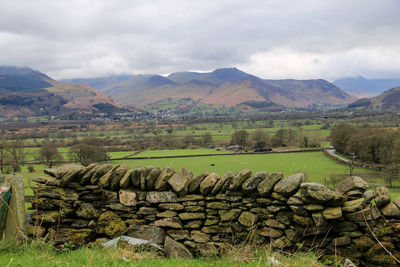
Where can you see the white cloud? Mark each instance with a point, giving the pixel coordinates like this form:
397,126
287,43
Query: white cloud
308,38
286,63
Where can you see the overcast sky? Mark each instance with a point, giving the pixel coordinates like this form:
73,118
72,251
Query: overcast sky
269,38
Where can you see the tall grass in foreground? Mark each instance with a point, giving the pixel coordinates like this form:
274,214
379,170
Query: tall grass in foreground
38,253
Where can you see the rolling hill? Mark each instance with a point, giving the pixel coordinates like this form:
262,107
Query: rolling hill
27,92
361,87
100,83
227,87
388,100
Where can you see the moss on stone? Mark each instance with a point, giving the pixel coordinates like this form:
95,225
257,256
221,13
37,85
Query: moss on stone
111,224
377,255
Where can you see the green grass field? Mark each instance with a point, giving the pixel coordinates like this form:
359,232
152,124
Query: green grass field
41,254
179,152
315,164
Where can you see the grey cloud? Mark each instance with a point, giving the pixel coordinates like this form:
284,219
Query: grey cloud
92,38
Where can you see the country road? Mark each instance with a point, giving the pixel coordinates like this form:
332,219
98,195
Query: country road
332,153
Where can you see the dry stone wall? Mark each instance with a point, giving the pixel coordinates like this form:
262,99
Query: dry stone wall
196,215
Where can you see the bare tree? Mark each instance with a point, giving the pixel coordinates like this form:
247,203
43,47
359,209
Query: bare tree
49,154
239,138
86,153
16,153
3,154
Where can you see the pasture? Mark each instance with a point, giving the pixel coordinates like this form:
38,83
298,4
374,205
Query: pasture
315,165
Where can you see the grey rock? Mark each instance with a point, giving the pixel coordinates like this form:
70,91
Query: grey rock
161,197
353,205
105,180
221,182
247,219
316,192
271,232
152,233
109,196
174,223
151,178
368,196
190,198
135,177
127,197
126,179
391,211
295,201
359,216
166,214
147,211
184,216
194,183
382,196
180,181
332,213
351,183
68,173
175,249
275,224
218,205
85,179
100,171
196,224
199,237
239,179
88,211
266,186
396,201
171,206
208,183
178,234
289,185
117,176
143,176
229,215
162,180
253,181
319,219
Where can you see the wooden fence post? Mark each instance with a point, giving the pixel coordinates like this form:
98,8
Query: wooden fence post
15,226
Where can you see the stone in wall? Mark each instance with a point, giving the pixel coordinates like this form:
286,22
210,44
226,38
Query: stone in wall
194,215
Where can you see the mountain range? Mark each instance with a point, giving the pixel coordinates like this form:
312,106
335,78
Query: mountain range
388,100
226,87
27,92
361,87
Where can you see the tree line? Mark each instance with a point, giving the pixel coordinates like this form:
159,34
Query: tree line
369,144
376,145
281,138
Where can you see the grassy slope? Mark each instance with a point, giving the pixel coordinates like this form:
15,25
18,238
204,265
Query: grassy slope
38,254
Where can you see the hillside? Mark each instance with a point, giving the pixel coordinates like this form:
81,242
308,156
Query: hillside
361,87
226,87
27,92
302,93
388,100
100,83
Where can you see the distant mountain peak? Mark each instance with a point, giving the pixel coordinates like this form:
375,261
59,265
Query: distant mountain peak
24,91
12,70
158,80
363,87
